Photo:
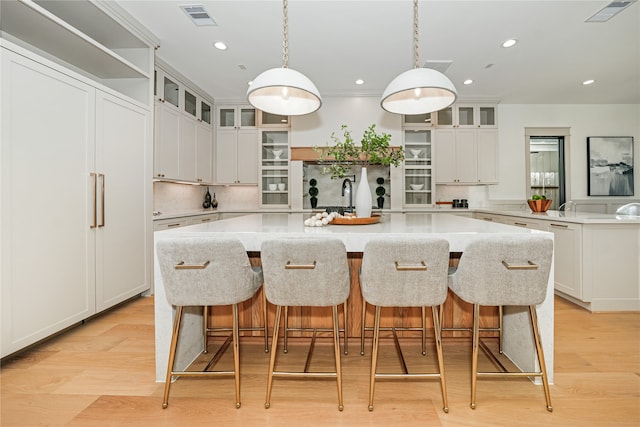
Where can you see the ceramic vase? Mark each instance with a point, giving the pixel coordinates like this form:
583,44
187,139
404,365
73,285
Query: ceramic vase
363,197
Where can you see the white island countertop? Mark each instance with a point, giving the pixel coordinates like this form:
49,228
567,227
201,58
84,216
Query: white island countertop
251,230
573,217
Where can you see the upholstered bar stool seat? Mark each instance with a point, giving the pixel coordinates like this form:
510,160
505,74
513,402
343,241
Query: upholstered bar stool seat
405,273
205,272
505,271
305,272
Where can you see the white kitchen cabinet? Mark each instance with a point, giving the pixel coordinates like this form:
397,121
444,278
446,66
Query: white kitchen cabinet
527,223
166,142
123,135
419,186
490,217
274,168
183,136
75,199
567,257
270,120
236,147
466,156
200,219
468,116
167,224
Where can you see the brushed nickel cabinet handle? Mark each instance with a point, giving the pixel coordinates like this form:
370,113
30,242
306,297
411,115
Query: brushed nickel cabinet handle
529,266
182,266
95,199
289,266
101,176
559,225
421,267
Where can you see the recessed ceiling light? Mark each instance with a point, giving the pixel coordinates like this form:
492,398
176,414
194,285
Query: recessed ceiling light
467,82
220,45
359,82
509,43
588,82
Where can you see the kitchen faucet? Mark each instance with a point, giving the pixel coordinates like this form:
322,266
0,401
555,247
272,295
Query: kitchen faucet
346,182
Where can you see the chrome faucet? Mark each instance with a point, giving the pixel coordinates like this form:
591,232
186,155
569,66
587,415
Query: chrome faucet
346,182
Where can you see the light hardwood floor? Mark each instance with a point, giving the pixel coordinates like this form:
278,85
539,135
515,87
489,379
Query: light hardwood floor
102,374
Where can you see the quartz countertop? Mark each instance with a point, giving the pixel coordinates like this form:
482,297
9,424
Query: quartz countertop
573,217
253,229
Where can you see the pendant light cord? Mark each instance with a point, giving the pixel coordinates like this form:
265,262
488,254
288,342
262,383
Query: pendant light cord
415,33
285,38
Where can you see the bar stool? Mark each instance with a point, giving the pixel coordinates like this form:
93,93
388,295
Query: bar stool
203,272
504,271
405,273
304,272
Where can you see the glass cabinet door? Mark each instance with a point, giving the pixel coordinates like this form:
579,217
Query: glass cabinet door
227,117
190,103
171,91
417,167
416,119
205,112
275,167
247,117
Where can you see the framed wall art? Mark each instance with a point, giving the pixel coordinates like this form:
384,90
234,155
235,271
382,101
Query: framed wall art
610,165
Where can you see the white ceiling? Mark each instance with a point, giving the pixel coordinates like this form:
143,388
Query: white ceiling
336,42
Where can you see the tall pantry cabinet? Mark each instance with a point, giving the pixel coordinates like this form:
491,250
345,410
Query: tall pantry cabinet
75,180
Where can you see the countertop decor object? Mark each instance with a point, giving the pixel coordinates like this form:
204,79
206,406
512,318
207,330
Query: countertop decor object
313,192
374,149
354,220
539,205
380,192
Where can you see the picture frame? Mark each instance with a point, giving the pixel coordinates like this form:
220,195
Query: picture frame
610,164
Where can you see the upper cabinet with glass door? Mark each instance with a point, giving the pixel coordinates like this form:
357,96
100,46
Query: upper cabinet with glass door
268,120
169,90
417,120
468,116
236,117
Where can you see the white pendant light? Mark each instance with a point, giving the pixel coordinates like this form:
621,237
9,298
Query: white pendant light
284,91
421,90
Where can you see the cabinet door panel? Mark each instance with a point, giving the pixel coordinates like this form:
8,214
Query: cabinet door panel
445,156
204,161
567,258
167,142
226,166
467,155
188,148
247,157
122,139
47,273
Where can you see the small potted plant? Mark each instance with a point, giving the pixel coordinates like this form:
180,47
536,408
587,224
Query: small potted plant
538,203
313,192
374,149
380,192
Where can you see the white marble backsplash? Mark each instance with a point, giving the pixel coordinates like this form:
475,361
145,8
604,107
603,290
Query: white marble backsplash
175,197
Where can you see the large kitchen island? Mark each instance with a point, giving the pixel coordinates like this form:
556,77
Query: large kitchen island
252,230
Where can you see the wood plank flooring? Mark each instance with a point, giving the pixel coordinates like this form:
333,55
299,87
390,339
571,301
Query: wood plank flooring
102,374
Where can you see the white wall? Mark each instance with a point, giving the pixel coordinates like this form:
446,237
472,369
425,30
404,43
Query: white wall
583,121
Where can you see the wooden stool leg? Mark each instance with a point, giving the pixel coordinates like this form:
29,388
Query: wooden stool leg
363,327
543,367
272,361
475,339
336,345
285,348
172,355
205,327
236,354
438,338
345,323
265,313
424,331
374,356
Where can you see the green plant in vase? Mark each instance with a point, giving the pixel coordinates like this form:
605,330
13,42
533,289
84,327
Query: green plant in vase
313,192
380,192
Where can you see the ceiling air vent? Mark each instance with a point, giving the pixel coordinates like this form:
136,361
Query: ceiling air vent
198,15
609,11
441,66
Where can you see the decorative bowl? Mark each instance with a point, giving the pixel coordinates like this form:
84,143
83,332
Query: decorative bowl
273,187
276,154
416,187
416,153
281,186
540,205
